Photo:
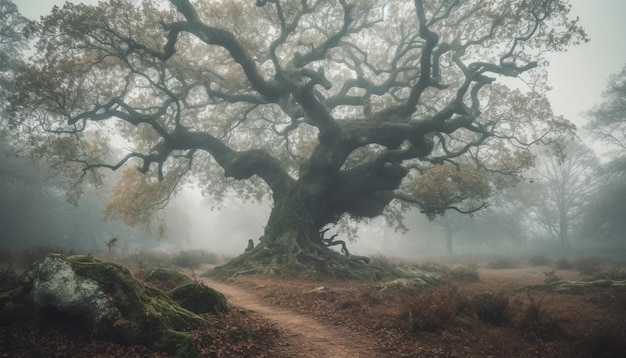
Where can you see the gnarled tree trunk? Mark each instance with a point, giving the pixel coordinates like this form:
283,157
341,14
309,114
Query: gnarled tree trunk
293,244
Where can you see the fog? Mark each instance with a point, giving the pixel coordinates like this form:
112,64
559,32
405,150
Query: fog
519,220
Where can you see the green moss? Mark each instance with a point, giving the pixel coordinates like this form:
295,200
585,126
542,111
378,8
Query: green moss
411,272
81,258
199,298
166,277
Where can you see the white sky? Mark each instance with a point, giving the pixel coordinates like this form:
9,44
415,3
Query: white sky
578,76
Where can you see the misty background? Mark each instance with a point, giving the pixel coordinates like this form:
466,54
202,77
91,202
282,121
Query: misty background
34,211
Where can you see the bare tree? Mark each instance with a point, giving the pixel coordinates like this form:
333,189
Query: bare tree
566,185
607,122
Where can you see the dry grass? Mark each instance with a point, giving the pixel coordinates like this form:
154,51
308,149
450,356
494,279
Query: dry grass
535,320
497,315
435,310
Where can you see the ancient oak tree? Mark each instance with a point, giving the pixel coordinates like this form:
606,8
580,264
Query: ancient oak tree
331,106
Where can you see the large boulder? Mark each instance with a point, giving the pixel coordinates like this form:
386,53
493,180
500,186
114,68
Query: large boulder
110,304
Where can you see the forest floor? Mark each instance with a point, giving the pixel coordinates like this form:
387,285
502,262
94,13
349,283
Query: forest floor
283,317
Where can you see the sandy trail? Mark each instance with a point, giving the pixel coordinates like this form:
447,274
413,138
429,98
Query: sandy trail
303,337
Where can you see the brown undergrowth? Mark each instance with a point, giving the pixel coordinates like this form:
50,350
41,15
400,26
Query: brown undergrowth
476,311
497,315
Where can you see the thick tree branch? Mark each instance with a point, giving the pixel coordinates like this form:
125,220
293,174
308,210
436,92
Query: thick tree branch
239,165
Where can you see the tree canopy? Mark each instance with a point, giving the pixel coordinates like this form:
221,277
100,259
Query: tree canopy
331,106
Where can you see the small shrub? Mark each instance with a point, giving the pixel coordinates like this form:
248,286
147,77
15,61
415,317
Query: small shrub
563,263
503,263
540,260
465,273
194,258
534,320
434,310
491,308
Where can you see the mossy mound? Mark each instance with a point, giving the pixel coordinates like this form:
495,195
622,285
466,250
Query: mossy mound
166,278
199,298
412,278
111,304
579,286
411,284
411,272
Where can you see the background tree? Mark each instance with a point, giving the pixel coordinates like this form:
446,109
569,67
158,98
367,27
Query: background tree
500,224
327,105
604,219
34,212
566,183
607,121
463,188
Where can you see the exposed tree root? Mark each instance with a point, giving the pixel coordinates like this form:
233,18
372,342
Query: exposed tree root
286,257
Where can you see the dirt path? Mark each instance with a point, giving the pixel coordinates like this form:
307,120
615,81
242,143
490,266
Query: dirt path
303,336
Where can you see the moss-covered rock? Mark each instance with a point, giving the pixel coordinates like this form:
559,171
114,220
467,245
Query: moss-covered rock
199,298
166,278
108,301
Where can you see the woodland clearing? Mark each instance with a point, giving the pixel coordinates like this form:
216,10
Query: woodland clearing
505,312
